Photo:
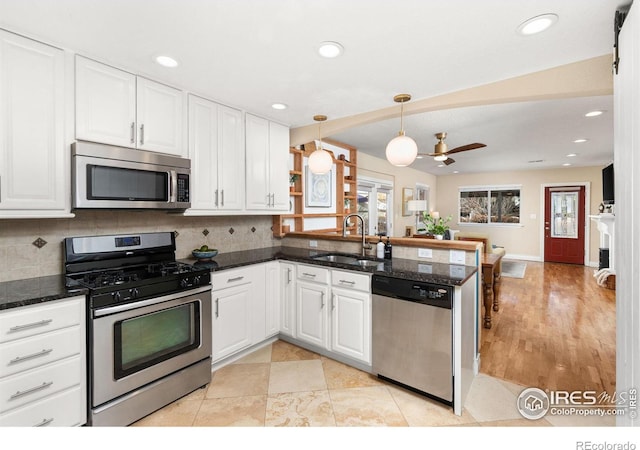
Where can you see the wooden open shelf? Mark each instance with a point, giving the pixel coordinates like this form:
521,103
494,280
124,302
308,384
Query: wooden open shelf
345,188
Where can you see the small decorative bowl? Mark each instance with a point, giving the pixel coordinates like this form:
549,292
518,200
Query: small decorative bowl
204,256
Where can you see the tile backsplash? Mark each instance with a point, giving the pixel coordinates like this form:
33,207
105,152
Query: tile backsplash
33,247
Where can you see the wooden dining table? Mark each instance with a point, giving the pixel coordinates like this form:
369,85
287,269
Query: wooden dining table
490,283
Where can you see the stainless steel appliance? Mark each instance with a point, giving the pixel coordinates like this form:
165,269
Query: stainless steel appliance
149,323
413,335
106,176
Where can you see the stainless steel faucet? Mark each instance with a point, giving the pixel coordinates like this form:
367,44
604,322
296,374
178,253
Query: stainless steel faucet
345,224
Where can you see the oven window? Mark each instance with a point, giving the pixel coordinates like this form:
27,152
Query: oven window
146,340
113,183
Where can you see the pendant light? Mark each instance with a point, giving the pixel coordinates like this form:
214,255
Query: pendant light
320,161
401,150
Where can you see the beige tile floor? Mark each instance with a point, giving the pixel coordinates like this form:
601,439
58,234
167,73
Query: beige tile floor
282,385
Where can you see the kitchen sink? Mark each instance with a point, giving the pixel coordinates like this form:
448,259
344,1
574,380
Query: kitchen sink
344,259
347,259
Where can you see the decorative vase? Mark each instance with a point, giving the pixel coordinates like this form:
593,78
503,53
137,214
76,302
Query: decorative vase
439,236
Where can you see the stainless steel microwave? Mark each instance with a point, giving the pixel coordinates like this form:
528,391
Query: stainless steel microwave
106,176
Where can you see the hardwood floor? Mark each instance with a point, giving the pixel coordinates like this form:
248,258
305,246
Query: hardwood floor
556,330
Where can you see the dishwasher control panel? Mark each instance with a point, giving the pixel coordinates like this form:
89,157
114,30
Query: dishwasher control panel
413,291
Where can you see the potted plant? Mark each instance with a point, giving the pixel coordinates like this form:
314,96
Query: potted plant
347,205
292,181
436,225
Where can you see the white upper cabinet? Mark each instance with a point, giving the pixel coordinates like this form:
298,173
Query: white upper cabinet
160,119
116,107
267,156
215,150
105,104
34,165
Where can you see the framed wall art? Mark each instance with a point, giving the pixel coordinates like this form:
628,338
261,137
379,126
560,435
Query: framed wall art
318,189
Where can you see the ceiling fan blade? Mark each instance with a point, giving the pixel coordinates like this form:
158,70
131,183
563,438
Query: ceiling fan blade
449,161
464,148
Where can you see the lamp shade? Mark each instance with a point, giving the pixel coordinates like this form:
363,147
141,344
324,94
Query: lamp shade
320,161
401,151
417,205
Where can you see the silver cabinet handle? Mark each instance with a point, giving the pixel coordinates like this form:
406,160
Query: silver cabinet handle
217,308
142,134
348,282
288,276
322,299
44,385
333,301
268,199
273,199
40,323
216,197
222,197
231,280
306,274
42,352
44,422
133,138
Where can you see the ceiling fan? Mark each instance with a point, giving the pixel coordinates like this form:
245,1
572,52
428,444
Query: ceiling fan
442,154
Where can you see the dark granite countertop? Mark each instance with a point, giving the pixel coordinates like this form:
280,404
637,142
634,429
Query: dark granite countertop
31,291
429,272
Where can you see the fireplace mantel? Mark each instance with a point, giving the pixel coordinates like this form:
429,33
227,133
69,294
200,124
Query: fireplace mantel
606,227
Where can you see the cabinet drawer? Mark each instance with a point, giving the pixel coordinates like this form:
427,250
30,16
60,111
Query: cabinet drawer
313,273
27,387
32,320
65,409
35,351
230,278
351,280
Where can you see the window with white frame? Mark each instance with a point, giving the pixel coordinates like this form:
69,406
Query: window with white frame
375,205
489,204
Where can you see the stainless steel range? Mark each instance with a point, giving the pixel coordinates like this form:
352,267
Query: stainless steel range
149,323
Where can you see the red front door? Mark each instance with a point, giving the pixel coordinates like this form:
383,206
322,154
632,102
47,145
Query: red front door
564,224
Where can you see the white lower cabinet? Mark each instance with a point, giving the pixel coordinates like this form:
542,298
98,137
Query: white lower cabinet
271,298
287,298
351,323
232,292
311,316
333,311
43,361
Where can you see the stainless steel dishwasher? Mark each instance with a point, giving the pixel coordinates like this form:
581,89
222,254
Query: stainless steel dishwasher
412,335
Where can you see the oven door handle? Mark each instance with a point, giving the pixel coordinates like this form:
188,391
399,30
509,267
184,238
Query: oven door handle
151,301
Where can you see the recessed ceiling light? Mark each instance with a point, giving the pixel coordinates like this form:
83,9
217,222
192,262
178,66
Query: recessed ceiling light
571,155
440,165
279,106
419,157
455,171
580,141
537,24
566,164
593,113
329,49
166,61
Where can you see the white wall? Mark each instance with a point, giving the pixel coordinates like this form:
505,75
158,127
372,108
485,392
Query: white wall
523,241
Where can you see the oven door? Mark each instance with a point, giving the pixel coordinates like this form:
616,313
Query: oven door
138,343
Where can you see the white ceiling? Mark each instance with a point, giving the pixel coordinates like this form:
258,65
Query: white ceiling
252,53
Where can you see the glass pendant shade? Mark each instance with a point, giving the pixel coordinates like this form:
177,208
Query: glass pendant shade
401,151
320,161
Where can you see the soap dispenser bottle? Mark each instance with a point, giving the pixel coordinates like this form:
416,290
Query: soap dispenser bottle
380,249
387,249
